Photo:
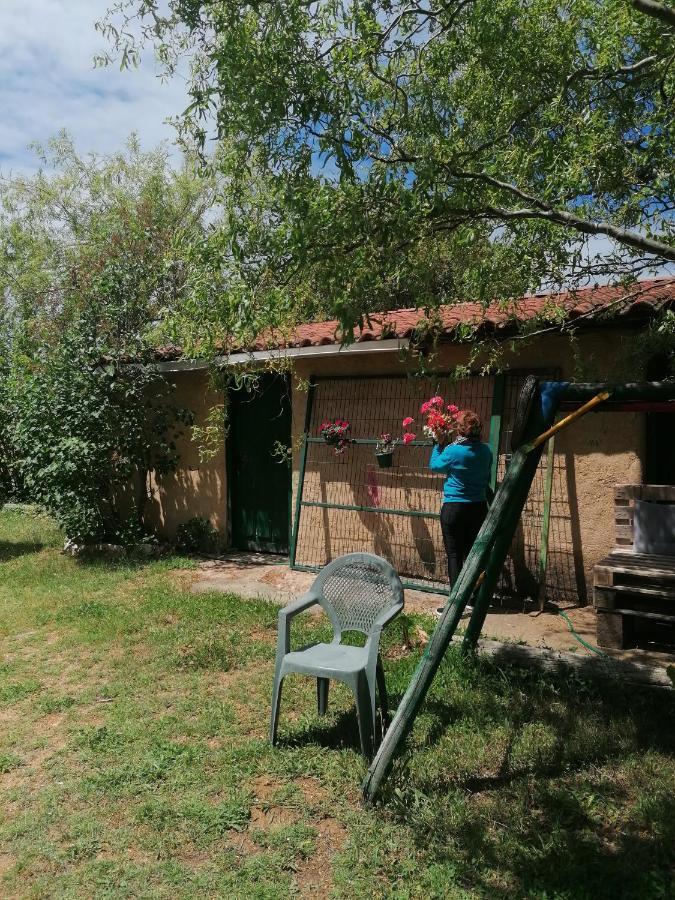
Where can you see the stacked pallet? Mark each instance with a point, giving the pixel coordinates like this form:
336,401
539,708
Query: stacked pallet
632,590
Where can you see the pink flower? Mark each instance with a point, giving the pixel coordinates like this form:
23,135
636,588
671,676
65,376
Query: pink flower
408,421
408,437
453,409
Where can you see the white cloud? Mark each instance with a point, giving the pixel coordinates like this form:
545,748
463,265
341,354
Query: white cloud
48,82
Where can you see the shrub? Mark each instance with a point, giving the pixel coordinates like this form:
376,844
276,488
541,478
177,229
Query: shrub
197,535
87,435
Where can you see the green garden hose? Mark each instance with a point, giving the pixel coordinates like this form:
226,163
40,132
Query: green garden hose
578,637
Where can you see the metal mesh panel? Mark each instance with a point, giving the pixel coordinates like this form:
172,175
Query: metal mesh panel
358,593
564,577
351,504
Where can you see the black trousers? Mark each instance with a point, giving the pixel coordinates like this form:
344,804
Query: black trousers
460,523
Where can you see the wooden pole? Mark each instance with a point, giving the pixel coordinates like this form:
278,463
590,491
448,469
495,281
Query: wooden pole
546,523
563,423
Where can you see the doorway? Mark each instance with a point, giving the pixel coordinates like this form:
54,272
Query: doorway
259,472
660,432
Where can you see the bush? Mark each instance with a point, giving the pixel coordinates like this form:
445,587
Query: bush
197,535
87,435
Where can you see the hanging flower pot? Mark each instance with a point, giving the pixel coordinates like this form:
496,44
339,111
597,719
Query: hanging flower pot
384,460
384,451
335,434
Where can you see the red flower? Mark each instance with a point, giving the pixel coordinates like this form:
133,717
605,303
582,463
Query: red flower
408,437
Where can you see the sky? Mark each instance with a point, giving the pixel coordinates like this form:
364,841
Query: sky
48,82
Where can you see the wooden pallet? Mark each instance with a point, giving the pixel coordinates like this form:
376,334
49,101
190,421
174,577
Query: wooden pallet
629,587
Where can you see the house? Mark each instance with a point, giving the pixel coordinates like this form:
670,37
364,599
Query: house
268,488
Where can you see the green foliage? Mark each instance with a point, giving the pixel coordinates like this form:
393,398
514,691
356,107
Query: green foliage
386,153
93,252
86,436
197,535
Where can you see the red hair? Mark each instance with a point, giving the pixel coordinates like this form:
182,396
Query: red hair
469,424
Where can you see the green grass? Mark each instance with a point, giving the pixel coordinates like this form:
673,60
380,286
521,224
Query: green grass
134,759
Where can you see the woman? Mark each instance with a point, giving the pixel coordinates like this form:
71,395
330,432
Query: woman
467,462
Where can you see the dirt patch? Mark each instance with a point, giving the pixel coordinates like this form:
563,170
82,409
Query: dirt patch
314,876
8,716
263,818
265,812
244,845
312,790
265,788
7,862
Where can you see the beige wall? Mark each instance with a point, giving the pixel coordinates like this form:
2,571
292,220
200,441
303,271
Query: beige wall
594,455
196,488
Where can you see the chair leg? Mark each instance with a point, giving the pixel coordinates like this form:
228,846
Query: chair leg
276,703
322,695
365,714
382,691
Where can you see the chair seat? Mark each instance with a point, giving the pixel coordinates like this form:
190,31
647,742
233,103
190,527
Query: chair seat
327,659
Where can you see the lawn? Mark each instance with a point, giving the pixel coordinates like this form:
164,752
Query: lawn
134,759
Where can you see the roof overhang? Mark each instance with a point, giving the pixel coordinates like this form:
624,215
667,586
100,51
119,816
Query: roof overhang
390,345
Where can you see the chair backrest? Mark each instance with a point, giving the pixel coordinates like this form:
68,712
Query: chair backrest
355,589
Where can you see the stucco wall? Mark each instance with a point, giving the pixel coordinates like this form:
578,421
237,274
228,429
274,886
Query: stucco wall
196,488
590,458
594,455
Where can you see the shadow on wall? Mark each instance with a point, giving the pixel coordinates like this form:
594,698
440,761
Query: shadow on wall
189,491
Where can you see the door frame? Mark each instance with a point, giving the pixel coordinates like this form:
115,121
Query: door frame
229,463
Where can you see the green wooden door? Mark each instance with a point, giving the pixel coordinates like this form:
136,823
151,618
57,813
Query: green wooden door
260,482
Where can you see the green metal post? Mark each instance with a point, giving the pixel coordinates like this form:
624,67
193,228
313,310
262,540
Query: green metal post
496,425
301,472
546,522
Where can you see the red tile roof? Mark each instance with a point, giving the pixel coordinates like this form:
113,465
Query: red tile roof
597,304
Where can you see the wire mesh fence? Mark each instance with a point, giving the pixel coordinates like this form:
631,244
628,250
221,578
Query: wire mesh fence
349,503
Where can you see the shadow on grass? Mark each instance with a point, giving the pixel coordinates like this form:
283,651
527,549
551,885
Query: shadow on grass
530,783
336,732
541,784
11,550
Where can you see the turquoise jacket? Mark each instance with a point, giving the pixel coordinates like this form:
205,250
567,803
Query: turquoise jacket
467,465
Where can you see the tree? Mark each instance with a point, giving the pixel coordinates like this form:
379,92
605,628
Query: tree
427,149
94,254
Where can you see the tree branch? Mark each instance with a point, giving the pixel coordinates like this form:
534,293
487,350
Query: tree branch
542,210
656,10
